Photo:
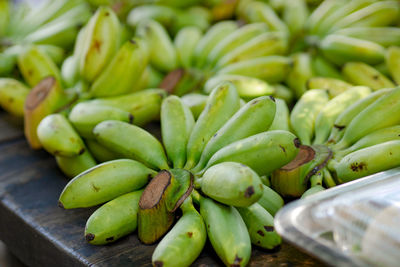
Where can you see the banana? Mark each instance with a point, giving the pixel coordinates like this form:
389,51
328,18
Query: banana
12,96
332,109
344,119
242,186
123,72
162,53
247,87
185,42
227,232
367,161
334,86
196,16
393,62
5,8
304,113
222,103
70,71
328,179
300,73
265,44
143,105
85,116
340,49
284,93
47,97
99,152
105,182
362,74
376,116
176,125
163,14
312,190
8,61
323,68
116,136
195,102
58,137
213,36
385,36
324,10
281,118
151,78
254,11
295,14
100,43
72,166
381,13
234,40
36,65
182,81
57,54
294,178
260,224
272,69
189,233
374,138
276,148
270,200
254,117
113,220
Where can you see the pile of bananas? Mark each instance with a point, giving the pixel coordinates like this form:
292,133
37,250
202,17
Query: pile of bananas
234,140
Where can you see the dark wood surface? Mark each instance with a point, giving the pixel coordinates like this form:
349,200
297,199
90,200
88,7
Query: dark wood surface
40,233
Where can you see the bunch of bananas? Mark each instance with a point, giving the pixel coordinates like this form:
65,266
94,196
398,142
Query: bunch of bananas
222,155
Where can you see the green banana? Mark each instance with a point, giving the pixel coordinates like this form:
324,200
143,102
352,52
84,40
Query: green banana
328,179
374,138
222,103
227,232
151,78
324,10
113,220
5,8
143,105
99,152
123,72
57,54
294,178
340,49
381,13
195,102
85,116
105,182
295,14
323,68
376,116
247,87
276,148
300,73
270,200
58,137
332,109
8,61
281,118
163,14
260,224
176,125
12,96
312,190
196,16
265,44
367,161
35,65
393,62
117,136
254,117
213,36
334,86
72,166
182,81
272,69
70,71
101,40
362,74
162,53
285,93
185,42
385,36
344,119
188,233
234,40
304,113
242,186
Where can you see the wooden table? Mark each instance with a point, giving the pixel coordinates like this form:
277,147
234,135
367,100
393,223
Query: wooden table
40,233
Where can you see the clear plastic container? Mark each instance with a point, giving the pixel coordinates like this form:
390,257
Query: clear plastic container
355,224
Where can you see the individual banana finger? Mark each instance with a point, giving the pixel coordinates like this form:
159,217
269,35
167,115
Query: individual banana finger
100,153
196,103
300,73
105,182
295,15
72,166
270,200
385,36
281,118
185,42
12,96
323,68
393,62
332,85
113,220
